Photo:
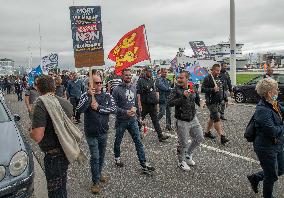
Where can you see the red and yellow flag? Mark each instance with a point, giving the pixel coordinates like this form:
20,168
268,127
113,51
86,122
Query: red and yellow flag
129,50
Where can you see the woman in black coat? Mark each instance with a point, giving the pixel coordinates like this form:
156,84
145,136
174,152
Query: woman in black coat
268,144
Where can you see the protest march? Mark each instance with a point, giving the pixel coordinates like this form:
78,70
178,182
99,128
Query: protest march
118,122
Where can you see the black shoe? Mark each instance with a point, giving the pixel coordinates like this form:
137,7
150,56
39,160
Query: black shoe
163,138
169,128
148,168
224,140
253,182
209,135
223,118
118,163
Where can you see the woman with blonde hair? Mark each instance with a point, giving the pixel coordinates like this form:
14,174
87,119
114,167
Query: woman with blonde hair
268,143
60,89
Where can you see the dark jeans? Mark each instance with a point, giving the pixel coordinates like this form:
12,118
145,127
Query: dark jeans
75,102
19,94
56,175
152,110
97,146
165,109
9,89
132,127
272,164
223,105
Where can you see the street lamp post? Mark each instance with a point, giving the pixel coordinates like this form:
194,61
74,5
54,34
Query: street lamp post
233,61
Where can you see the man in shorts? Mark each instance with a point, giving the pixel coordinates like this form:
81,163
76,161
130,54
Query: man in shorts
214,94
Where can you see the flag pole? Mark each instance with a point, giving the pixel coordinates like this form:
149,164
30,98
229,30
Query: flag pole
40,58
147,43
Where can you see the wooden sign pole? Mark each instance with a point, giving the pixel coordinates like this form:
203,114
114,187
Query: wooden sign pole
91,83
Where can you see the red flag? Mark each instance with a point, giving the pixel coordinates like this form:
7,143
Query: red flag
130,49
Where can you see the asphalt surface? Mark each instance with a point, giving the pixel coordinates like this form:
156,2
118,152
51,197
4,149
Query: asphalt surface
220,171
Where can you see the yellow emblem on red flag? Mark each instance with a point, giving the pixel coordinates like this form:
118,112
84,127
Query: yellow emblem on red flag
130,50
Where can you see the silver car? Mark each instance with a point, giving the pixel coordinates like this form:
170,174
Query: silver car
16,159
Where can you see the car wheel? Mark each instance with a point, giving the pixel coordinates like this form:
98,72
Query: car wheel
240,97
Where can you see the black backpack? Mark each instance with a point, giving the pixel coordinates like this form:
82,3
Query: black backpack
250,132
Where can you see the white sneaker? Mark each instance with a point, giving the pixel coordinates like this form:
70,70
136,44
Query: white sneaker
189,160
183,165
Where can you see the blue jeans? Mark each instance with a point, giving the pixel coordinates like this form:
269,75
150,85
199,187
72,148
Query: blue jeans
133,129
97,147
165,109
56,175
272,164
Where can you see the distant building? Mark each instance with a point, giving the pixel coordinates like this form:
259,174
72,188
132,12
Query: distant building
222,51
272,58
162,63
7,66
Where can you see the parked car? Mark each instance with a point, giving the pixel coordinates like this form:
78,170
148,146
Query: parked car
16,159
247,92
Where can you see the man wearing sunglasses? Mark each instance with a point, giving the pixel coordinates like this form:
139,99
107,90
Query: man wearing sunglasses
126,119
96,126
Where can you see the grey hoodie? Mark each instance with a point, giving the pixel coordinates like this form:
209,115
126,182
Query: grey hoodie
125,98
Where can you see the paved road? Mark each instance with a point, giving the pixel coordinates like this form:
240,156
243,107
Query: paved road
220,172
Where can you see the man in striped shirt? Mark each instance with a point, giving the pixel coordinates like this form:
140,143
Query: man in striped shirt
113,82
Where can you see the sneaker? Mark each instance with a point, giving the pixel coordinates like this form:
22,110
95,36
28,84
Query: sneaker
163,138
103,179
183,165
224,140
209,135
118,162
253,182
96,189
189,160
148,167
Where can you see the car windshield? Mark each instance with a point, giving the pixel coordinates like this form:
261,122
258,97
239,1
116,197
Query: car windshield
3,114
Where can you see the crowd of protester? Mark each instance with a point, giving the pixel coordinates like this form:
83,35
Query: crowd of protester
131,97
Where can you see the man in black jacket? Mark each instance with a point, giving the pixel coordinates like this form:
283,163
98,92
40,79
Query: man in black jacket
184,100
214,94
225,77
148,100
96,119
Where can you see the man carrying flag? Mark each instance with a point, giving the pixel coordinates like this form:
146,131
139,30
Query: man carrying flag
130,49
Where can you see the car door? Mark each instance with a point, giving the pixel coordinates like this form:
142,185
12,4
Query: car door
280,79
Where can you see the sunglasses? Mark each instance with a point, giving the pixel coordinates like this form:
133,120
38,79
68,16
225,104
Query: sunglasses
98,83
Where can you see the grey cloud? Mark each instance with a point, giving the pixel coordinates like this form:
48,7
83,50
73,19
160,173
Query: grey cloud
170,25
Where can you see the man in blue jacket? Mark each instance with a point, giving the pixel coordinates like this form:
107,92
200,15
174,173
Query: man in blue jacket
75,88
96,119
126,119
164,87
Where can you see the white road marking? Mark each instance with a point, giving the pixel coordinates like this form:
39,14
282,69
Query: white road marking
218,150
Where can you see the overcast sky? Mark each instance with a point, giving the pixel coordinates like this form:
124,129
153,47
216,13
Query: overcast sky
170,24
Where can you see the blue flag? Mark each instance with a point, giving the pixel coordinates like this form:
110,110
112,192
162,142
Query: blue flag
35,72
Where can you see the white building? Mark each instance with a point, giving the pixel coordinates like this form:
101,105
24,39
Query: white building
7,66
222,50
